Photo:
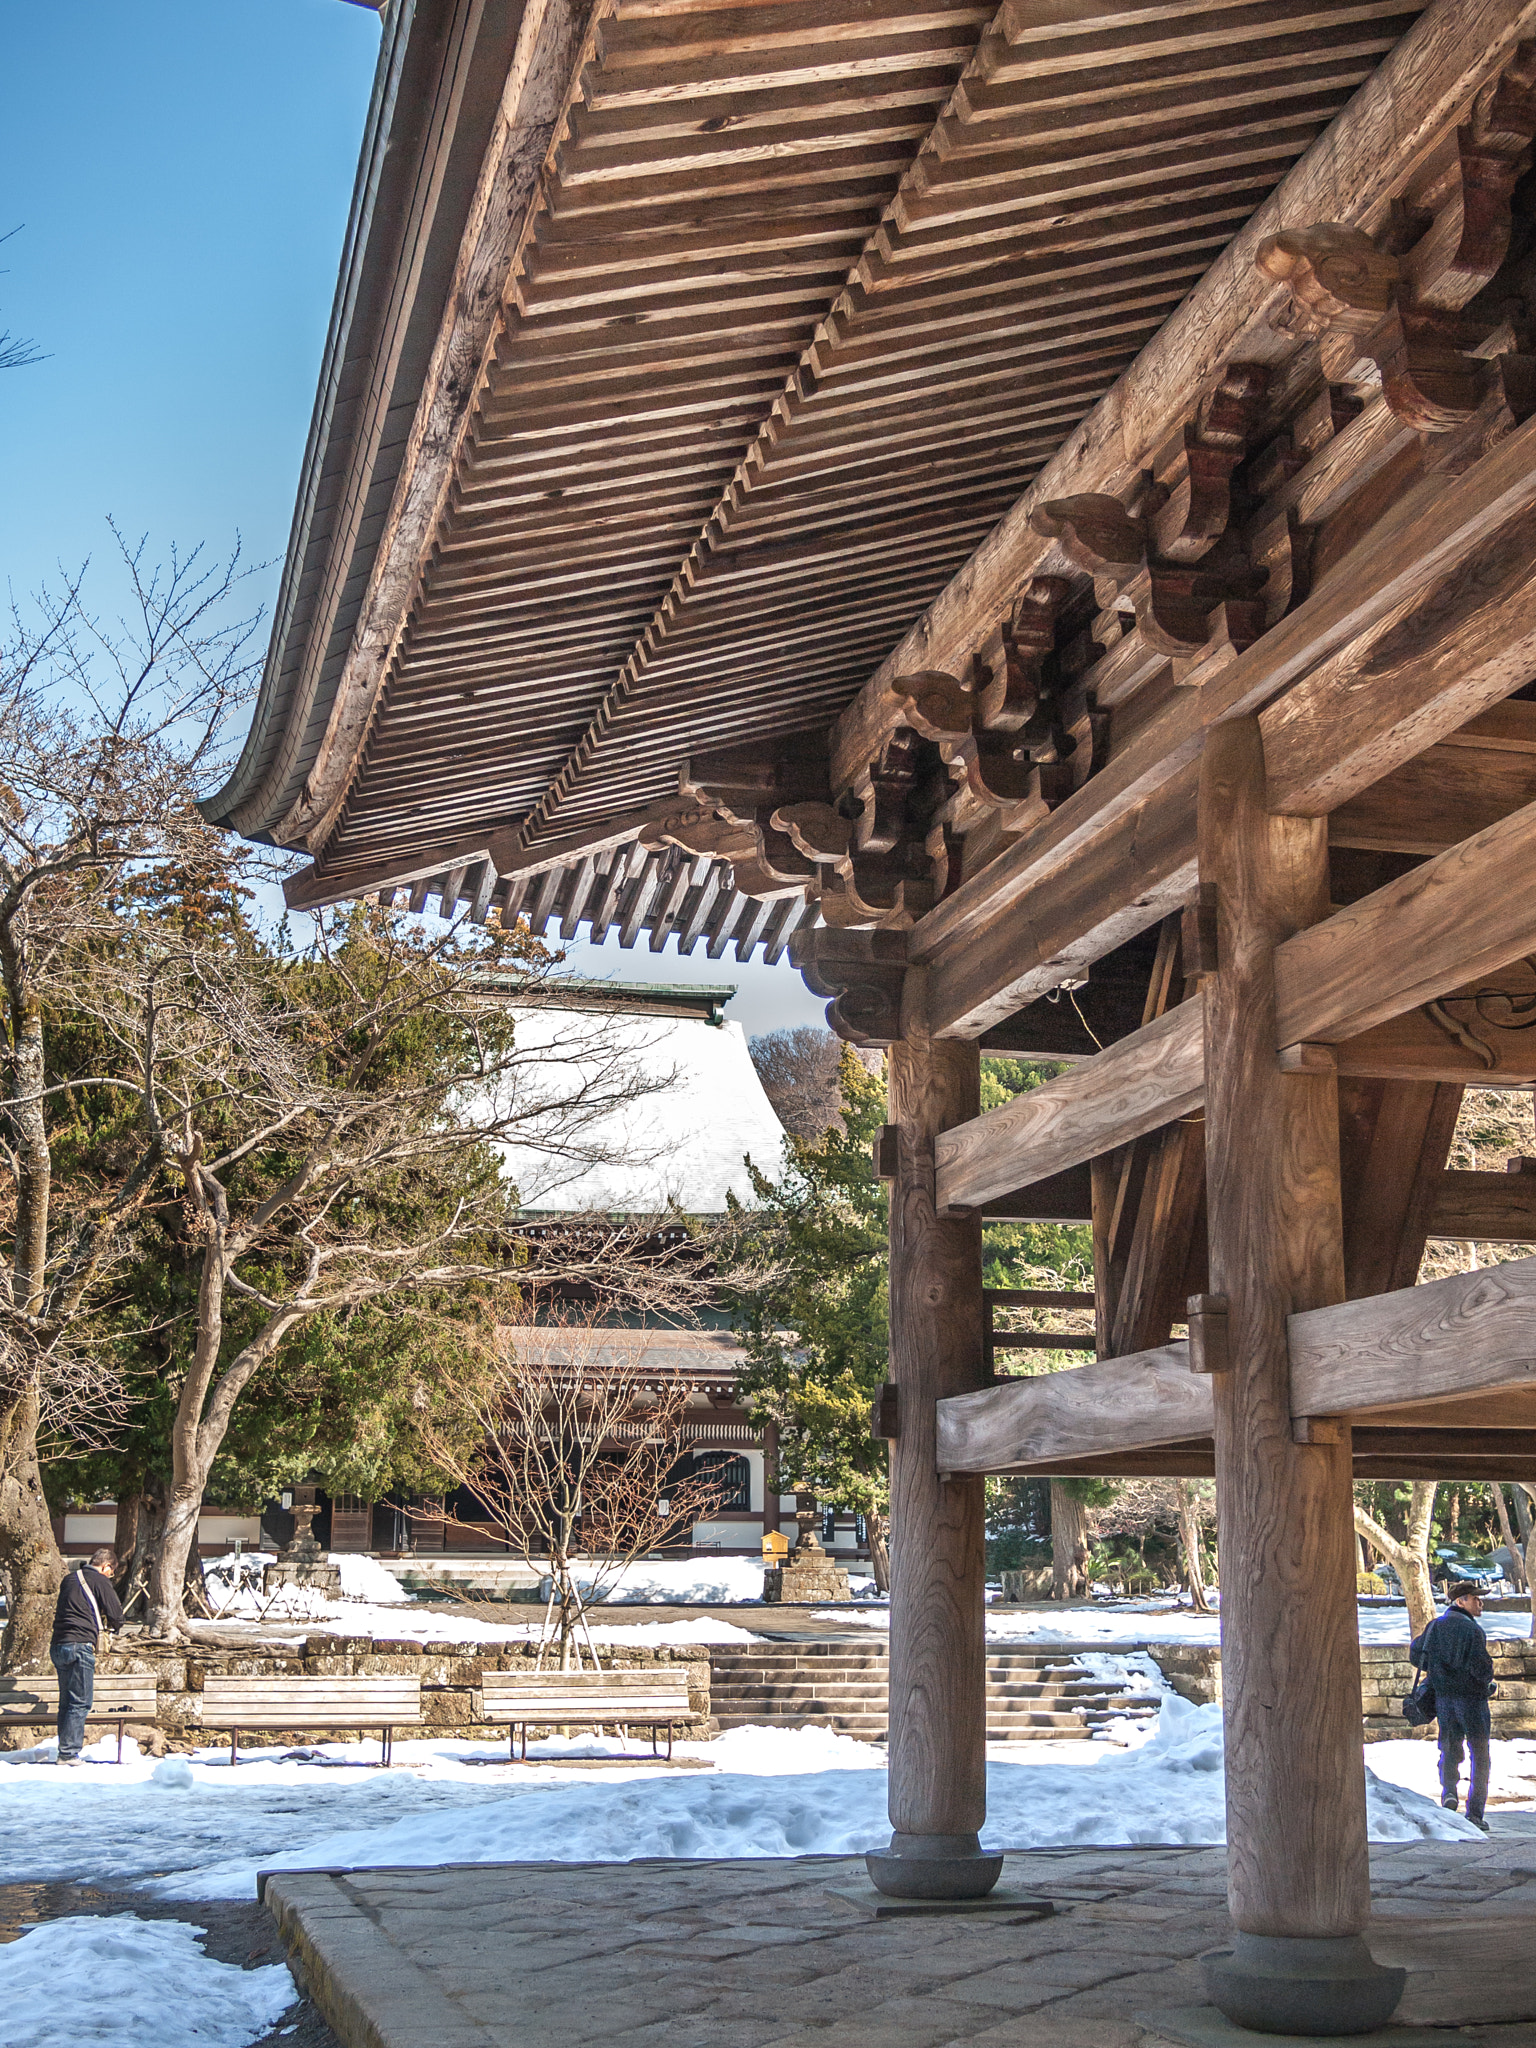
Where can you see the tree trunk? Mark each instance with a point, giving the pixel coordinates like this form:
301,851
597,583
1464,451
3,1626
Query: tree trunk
1069,1543
1410,1559
146,1547
168,1569
879,1552
1524,1495
125,1536
1189,1543
1501,1507
33,1566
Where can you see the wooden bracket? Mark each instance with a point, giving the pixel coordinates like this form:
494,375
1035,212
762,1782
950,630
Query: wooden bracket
1308,1058
1521,1163
1208,1346
884,1419
1317,1429
884,1150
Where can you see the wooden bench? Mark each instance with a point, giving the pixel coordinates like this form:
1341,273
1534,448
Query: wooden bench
28,1702
588,1699
234,1702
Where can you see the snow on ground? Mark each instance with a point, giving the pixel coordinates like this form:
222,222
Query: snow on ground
69,1983
1145,1621
193,1828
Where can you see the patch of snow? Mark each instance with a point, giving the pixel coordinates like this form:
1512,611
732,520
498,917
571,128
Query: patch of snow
688,1582
364,1578
1134,1621
117,1979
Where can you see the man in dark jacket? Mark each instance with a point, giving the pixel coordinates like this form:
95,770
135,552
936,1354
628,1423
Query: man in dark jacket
1454,1653
87,1605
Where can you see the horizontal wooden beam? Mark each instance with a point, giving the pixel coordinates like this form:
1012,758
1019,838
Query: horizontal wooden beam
1459,915
1146,1080
1378,1454
1385,1364
1405,945
1445,795
1469,1333
1499,1207
1117,1405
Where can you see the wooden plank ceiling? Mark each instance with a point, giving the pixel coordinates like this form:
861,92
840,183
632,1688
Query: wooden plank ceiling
810,294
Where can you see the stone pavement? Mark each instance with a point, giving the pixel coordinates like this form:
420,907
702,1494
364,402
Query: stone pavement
775,1954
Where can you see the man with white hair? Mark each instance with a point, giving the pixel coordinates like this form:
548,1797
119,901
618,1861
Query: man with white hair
88,1607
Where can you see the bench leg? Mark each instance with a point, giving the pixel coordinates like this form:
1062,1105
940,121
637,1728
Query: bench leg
119,1741
386,1748
669,1742
234,1747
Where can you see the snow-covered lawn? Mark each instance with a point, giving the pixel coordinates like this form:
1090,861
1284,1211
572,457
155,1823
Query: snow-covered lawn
195,1828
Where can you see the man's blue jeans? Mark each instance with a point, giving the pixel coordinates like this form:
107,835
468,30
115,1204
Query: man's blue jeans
1464,1721
76,1665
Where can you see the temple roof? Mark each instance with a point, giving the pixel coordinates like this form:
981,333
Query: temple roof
682,355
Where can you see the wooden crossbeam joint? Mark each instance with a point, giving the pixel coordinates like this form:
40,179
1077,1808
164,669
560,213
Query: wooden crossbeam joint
884,1152
1209,1345
885,1412
1197,934
1308,1057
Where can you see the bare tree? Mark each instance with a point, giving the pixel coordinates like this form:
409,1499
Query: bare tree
1187,1506
332,1118
104,731
1511,1544
574,1455
1410,1558
799,1072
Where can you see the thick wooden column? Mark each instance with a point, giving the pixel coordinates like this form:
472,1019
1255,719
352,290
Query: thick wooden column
938,1717
1296,1834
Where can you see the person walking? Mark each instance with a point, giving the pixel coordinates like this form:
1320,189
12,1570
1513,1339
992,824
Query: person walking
1454,1653
88,1606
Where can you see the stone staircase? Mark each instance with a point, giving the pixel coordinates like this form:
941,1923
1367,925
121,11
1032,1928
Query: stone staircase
1032,1695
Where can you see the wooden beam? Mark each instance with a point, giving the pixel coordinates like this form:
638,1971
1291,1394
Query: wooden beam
1146,1080
1407,944
1431,930
1439,1342
1394,1139
1418,561
1500,1207
1445,795
1350,175
1117,1405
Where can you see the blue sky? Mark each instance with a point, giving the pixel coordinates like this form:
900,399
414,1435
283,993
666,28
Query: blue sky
179,172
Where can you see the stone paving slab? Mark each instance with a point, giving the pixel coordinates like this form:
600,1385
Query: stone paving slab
786,1953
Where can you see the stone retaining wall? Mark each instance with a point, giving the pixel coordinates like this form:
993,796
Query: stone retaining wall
1194,1672
449,1674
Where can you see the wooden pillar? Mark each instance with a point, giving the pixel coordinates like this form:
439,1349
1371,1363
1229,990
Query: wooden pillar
938,1710
1297,1871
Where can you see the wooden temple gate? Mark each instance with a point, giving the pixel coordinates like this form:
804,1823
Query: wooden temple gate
1033,511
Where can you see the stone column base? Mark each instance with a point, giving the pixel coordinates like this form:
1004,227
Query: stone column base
1325,1988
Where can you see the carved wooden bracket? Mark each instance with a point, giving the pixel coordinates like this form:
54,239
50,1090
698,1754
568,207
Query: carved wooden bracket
862,973
1409,313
